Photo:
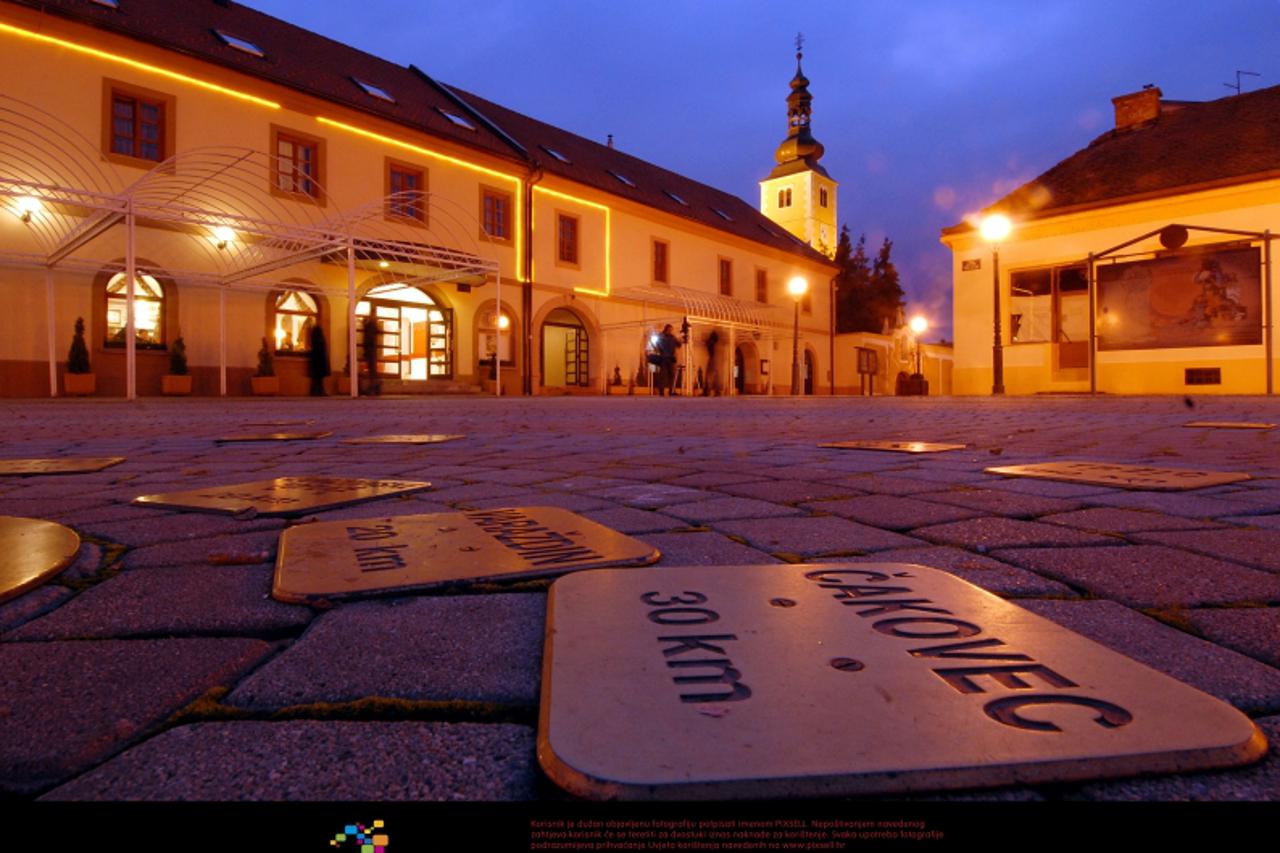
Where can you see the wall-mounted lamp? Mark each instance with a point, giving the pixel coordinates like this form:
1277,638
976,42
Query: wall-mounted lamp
222,236
28,207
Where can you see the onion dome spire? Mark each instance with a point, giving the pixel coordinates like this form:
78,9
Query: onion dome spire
799,147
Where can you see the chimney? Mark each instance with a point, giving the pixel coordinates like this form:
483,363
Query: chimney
1137,108
611,140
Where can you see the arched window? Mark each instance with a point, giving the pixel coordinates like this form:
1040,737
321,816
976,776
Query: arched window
148,312
296,314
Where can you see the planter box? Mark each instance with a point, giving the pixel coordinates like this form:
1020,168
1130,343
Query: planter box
175,386
344,385
265,386
79,384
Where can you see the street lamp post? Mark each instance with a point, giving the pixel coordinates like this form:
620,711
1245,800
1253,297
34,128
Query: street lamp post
797,287
918,327
995,228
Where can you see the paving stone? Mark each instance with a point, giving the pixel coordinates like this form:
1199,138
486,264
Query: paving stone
313,760
782,491
1255,631
378,509
810,537
652,495
703,549
1259,548
1044,488
508,477
35,603
1189,505
941,474
573,503
992,575
1148,575
259,546
67,706
174,528
990,533
481,648
628,520
708,479
224,600
1268,522
893,513
881,485
1127,521
1251,686
997,502
48,508
584,483
721,509
478,492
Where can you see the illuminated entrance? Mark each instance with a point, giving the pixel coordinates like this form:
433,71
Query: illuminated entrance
565,349
415,335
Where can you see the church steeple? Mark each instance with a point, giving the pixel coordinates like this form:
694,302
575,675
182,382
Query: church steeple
798,194
799,147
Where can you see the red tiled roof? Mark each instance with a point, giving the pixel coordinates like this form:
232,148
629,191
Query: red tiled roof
1230,140
308,62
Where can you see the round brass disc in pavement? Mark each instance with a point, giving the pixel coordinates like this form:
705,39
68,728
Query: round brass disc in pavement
31,552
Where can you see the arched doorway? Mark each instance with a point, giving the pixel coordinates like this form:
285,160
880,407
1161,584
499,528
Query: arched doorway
565,350
415,334
810,367
739,371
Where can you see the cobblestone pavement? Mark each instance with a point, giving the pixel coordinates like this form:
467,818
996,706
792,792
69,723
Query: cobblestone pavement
158,667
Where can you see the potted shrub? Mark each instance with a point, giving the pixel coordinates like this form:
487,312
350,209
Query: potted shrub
79,379
177,381
265,382
344,379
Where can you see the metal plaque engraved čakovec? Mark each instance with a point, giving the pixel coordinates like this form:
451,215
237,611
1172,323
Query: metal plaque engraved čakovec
1228,425
274,436
845,679
31,552
1145,477
338,559
402,439
283,495
894,446
68,465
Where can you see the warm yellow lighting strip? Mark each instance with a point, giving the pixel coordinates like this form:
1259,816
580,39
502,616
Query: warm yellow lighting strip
608,232
141,66
427,152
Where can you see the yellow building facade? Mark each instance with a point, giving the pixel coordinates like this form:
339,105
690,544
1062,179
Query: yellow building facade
1140,265
261,182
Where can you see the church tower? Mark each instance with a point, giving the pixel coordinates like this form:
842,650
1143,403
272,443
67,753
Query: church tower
798,194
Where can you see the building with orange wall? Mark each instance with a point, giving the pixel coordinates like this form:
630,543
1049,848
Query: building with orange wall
255,181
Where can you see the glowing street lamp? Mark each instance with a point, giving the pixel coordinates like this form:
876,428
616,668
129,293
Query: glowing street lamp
919,325
797,288
993,229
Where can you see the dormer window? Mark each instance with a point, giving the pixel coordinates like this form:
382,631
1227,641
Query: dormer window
240,44
718,212
456,119
374,91
556,154
676,198
110,4
623,178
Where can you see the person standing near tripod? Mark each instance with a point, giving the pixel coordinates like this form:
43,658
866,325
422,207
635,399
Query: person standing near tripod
667,345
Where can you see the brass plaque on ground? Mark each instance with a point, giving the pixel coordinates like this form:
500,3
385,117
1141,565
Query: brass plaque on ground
1143,477
842,679
31,552
278,423
86,465
402,439
273,436
283,495
1229,425
895,446
336,559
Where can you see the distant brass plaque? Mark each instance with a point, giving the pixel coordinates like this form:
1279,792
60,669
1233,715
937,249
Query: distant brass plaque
273,436
845,679
283,495
1122,476
338,559
402,439
278,423
86,465
31,552
895,446
1229,425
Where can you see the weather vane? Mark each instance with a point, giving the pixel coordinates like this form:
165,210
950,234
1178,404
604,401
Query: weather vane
799,45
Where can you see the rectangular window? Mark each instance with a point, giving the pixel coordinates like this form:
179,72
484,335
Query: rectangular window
822,196
406,188
567,239
806,302
726,277
660,250
1049,305
137,123
762,286
495,219
296,164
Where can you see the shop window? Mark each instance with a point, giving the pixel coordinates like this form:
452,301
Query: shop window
406,188
1049,305
661,249
495,208
567,239
296,164
296,314
148,312
726,277
496,332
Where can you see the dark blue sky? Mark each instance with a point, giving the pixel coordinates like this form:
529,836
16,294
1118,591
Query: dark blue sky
928,108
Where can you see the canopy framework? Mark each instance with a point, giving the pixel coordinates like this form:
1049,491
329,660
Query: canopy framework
211,217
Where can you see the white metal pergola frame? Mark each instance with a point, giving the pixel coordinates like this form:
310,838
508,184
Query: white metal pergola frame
243,231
